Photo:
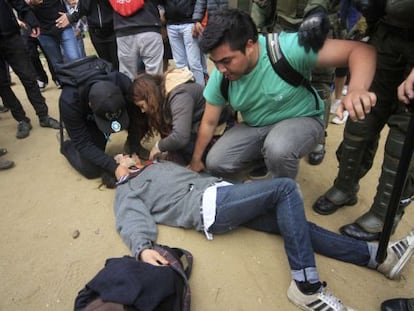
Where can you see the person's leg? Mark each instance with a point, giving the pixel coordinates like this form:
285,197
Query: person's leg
236,150
175,36
289,141
193,54
51,48
128,51
7,95
79,163
280,199
151,52
69,45
105,45
32,44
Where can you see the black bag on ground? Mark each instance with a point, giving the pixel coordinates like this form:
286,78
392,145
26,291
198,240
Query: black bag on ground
128,284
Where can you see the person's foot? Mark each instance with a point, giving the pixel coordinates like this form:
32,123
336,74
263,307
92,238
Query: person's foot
6,164
42,85
398,304
321,300
357,232
23,129
3,109
324,205
398,255
49,122
317,155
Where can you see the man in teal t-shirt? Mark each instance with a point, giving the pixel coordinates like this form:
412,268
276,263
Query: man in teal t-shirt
281,123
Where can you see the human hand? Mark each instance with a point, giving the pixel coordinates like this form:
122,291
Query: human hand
197,29
405,91
155,151
196,166
62,21
35,32
358,103
153,257
314,29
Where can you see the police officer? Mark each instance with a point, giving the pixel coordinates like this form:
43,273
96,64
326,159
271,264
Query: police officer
391,31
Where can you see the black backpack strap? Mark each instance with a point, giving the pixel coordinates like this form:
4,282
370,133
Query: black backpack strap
282,67
181,261
224,88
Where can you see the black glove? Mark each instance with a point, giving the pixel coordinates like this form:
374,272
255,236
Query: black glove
314,29
371,9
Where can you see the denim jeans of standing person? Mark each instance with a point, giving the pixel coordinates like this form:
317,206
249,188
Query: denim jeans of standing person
276,206
53,45
281,145
185,50
14,52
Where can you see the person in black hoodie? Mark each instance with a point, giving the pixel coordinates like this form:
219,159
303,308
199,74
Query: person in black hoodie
91,112
14,52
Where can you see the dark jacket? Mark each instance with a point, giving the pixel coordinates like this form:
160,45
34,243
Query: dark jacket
8,22
47,13
78,117
179,11
99,14
146,19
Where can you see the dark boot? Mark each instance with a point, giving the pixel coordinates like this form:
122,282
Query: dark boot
398,304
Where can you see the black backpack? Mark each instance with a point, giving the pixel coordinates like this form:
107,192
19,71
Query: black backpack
281,67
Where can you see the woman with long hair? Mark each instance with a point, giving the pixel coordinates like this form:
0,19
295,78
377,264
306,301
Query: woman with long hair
174,115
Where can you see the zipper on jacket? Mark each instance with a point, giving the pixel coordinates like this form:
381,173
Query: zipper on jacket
99,15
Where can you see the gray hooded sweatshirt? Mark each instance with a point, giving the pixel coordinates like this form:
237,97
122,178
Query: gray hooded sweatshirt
164,193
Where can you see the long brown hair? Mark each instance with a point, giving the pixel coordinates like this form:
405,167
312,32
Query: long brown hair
151,88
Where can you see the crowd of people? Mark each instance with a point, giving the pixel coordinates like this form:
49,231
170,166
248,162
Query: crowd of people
264,107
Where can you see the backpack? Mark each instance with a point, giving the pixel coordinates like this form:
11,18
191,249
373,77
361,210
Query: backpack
78,72
128,284
281,67
127,8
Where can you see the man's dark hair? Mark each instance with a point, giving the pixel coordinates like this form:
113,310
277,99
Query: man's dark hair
232,26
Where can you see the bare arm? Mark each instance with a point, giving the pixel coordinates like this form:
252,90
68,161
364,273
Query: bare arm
208,124
361,60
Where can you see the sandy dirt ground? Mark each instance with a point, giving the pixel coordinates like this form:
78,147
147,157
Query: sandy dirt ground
44,201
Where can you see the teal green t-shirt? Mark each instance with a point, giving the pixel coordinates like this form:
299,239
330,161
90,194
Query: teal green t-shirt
261,96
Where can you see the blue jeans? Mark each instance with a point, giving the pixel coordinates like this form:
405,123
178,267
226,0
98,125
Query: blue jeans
281,145
53,46
185,50
276,206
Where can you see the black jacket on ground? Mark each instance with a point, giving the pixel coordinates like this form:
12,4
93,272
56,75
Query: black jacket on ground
77,116
8,22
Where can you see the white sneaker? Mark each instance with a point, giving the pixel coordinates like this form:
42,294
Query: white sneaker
42,85
322,301
338,121
398,255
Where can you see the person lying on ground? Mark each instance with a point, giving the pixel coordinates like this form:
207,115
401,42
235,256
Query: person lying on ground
166,193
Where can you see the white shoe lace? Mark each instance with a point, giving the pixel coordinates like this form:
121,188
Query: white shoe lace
327,297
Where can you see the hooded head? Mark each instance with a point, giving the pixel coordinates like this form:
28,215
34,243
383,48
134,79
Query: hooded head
108,106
